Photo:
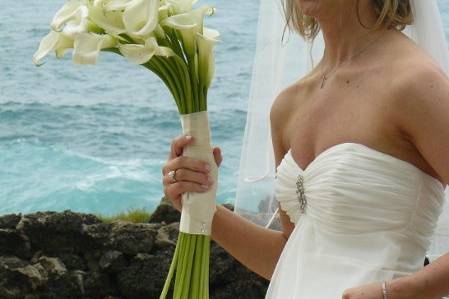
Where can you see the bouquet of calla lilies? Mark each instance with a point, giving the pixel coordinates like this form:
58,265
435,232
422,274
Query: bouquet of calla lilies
167,37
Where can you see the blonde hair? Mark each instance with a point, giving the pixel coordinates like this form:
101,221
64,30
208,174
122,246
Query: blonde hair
391,13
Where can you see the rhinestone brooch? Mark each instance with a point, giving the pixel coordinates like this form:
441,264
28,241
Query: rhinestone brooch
301,193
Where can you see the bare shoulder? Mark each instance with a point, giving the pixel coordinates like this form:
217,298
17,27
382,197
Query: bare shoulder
287,102
419,83
420,95
284,106
421,109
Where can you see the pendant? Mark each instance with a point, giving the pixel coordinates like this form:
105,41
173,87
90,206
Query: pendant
323,81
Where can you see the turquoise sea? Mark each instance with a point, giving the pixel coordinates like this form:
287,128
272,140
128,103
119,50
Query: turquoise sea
93,139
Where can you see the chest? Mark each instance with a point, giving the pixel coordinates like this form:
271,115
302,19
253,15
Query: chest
334,116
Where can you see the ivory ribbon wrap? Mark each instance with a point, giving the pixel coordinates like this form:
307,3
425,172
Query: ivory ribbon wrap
198,208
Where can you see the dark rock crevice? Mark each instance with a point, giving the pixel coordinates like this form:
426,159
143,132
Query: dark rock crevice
49,255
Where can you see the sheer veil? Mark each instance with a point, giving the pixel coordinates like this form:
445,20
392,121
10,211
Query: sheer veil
279,63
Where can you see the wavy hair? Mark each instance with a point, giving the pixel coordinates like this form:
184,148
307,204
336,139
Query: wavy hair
391,13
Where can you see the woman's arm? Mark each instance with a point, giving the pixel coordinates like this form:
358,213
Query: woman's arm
252,245
424,116
422,111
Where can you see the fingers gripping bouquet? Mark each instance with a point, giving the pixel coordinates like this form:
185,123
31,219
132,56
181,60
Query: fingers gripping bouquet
167,37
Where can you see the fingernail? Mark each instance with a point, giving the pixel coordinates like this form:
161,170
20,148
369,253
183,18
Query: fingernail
205,187
188,137
207,166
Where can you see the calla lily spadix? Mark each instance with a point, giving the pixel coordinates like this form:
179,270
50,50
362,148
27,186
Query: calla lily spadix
167,37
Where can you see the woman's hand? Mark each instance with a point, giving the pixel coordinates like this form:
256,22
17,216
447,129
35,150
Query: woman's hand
399,288
368,291
191,175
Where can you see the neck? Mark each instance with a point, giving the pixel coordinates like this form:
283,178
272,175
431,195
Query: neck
343,33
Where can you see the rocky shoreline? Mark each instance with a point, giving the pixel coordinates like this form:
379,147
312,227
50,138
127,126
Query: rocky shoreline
50,255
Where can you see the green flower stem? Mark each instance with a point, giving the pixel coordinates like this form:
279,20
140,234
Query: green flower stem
196,283
172,71
194,81
201,278
174,63
174,41
206,256
179,267
206,266
165,76
155,69
186,82
171,271
188,271
191,263
203,98
183,268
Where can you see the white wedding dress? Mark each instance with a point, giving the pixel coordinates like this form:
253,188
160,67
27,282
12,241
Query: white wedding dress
360,216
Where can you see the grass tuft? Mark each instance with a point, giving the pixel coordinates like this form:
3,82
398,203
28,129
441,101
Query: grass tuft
140,215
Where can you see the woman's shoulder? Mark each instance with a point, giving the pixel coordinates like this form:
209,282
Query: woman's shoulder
418,86
291,98
417,77
412,66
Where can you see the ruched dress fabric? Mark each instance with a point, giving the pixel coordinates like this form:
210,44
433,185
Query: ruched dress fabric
367,216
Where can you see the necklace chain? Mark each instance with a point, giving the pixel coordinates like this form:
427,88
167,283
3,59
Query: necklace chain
326,76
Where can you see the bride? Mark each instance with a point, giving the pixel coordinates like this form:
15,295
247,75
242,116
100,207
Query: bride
361,149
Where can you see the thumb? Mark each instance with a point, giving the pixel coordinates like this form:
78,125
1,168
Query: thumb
217,155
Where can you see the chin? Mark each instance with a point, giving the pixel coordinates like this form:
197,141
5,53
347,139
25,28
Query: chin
311,8
320,8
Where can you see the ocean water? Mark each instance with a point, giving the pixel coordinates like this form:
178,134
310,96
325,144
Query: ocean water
94,138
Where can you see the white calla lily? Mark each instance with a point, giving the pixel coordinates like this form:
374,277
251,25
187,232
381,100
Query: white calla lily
206,64
137,54
77,25
165,52
87,47
53,41
140,54
141,17
180,22
116,5
194,18
70,11
181,6
189,24
64,43
47,44
110,21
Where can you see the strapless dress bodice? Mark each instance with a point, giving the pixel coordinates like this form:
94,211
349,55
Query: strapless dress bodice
360,216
